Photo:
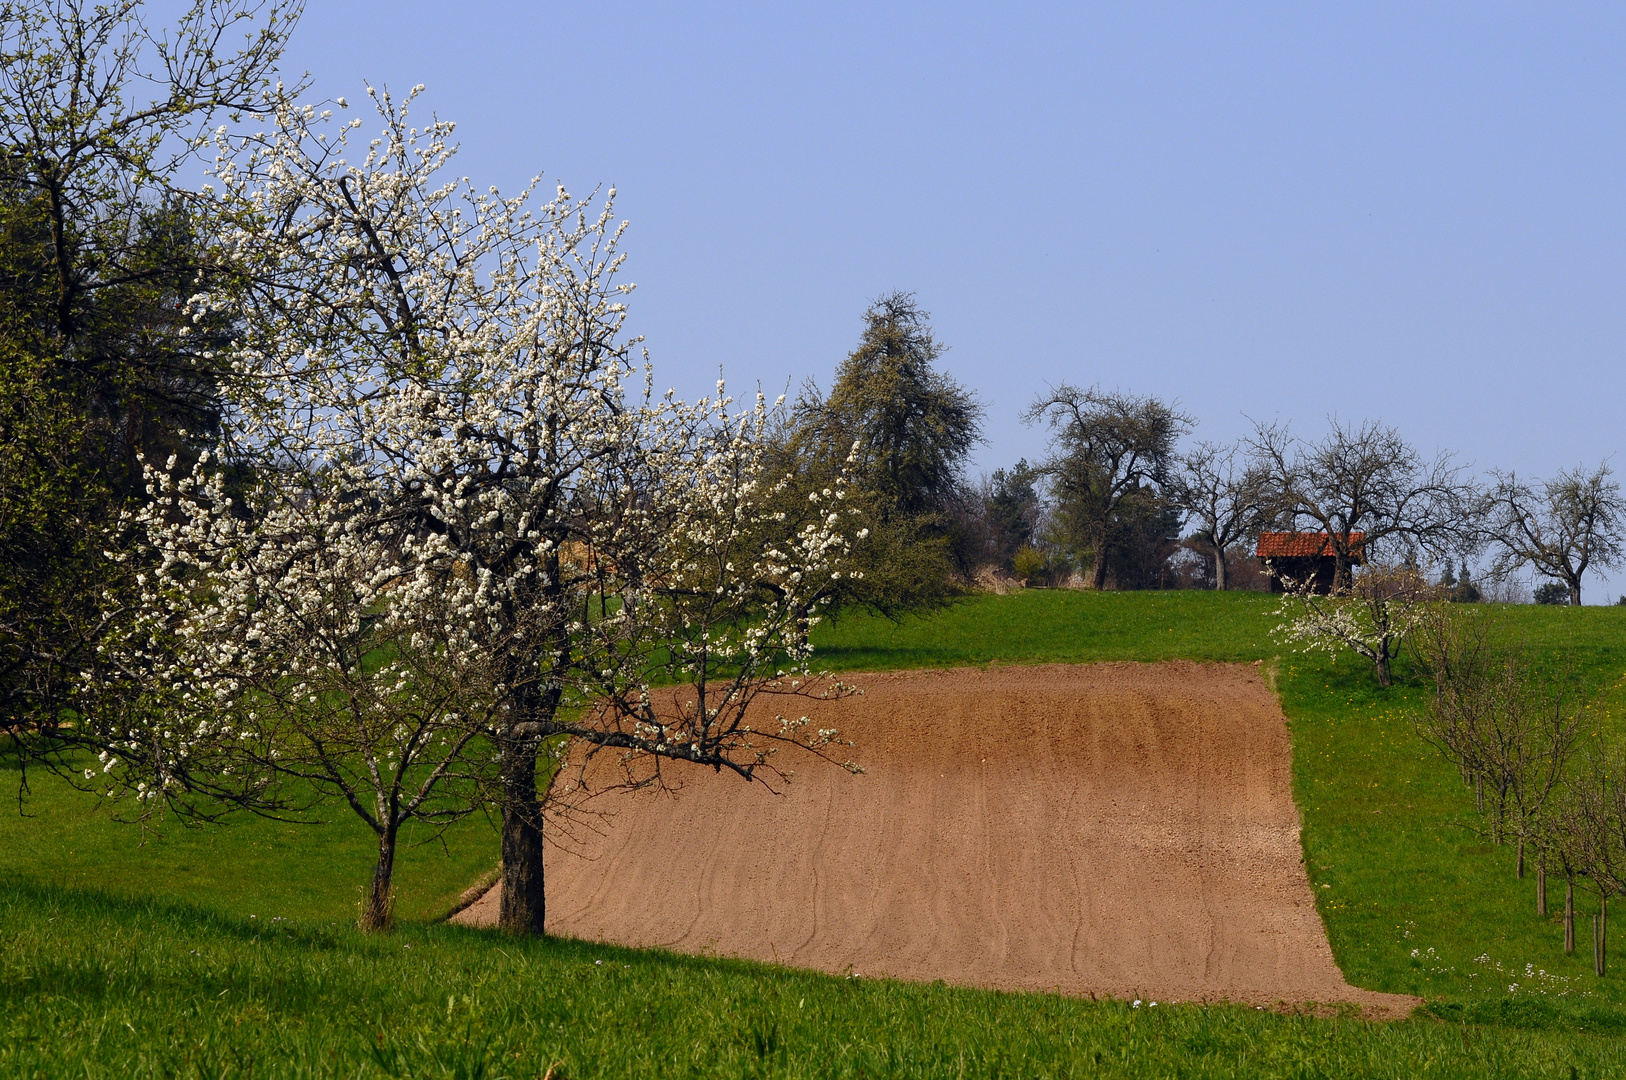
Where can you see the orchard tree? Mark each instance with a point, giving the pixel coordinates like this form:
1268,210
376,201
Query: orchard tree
1112,454
1226,496
1510,730
291,639
1561,527
438,401
1591,824
1365,479
1372,618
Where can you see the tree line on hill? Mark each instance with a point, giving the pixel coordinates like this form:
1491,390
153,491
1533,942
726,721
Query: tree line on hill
337,479
1121,501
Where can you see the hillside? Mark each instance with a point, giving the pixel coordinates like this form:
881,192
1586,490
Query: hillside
225,950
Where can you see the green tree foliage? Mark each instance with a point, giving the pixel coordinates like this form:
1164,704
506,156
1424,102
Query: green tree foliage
1028,563
995,517
50,486
906,428
1011,509
1147,533
1555,593
1458,586
99,249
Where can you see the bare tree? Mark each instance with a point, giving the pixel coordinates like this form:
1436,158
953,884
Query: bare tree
1365,479
1511,732
1592,825
1110,452
1560,527
1226,496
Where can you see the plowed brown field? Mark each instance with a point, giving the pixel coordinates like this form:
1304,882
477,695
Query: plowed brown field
1109,829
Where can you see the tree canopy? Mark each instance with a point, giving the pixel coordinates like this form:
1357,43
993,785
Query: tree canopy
1111,454
99,249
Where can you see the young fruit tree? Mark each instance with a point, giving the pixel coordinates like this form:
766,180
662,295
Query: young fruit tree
1591,825
291,636
435,419
1372,617
1510,731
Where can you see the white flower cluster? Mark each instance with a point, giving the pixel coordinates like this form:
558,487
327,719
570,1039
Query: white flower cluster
443,509
1370,617
1527,980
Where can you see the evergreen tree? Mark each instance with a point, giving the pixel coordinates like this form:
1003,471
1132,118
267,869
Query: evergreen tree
1011,509
903,429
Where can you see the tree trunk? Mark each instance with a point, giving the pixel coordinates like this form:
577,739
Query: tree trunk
1342,576
1098,572
1219,568
378,913
1600,937
1518,871
1381,667
1569,916
1575,592
524,903
1541,890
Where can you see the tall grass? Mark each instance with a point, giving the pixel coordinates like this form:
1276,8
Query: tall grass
97,986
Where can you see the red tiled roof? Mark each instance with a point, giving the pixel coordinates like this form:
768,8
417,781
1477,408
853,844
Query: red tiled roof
1301,545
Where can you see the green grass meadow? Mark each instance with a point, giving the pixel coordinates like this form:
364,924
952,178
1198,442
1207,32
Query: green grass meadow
229,950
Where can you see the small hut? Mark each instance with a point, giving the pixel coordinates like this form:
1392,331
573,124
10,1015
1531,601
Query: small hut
1306,556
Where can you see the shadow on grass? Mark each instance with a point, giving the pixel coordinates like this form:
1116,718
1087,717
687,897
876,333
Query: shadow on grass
769,980
87,904
1531,1015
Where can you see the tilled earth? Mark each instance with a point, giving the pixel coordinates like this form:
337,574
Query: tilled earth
1105,829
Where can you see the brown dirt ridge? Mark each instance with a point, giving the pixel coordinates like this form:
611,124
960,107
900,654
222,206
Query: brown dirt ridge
1123,830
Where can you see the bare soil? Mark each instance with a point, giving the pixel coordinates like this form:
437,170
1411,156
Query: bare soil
1123,830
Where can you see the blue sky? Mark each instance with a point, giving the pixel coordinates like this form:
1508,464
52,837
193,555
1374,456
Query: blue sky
1406,211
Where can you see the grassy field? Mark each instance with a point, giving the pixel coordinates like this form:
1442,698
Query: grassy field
99,987
241,864
1415,898
228,951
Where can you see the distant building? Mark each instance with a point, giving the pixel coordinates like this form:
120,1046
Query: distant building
1306,556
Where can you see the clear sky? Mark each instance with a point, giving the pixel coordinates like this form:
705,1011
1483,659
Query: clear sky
1405,211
